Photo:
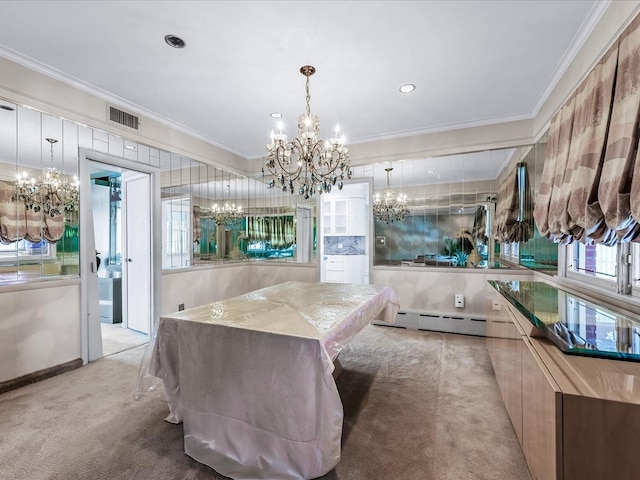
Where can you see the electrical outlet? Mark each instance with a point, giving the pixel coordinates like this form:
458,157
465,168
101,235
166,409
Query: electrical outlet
459,300
181,307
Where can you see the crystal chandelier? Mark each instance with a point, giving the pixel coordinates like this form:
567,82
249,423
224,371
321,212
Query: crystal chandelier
226,214
390,207
52,193
307,163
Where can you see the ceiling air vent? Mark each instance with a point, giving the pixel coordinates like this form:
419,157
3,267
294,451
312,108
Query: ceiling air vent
123,118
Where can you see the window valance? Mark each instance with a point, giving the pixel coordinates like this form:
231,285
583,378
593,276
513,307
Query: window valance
590,187
514,209
18,222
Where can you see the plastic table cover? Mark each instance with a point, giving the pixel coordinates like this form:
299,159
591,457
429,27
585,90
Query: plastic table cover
251,377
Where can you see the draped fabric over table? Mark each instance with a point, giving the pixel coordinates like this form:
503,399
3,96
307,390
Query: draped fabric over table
590,187
251,377
18,223
514,209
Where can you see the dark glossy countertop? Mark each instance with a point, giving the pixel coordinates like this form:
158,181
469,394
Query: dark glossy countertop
574,324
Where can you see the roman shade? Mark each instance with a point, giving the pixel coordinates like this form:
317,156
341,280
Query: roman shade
18,223
590,186
514,210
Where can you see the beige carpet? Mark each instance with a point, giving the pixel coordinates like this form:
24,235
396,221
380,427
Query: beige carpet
116,339
418,406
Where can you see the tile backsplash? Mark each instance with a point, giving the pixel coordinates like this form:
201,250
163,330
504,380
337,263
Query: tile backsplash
347,245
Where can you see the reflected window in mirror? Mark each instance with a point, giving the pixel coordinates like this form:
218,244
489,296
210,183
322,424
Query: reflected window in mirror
39,201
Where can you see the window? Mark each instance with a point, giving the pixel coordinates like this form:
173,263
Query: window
24,251
616,267
176,243
635,269
511,251
597,261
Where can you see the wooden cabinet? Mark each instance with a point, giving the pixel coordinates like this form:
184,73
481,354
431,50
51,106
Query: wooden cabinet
575,417
531,396
504,343
541,417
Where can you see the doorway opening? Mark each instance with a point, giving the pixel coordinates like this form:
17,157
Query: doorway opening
115,235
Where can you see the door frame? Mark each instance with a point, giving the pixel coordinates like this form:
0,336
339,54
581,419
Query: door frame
90,335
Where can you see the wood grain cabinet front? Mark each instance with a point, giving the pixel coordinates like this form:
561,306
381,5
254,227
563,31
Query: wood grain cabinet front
577,418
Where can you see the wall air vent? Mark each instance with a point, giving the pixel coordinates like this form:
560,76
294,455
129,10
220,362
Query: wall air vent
123,118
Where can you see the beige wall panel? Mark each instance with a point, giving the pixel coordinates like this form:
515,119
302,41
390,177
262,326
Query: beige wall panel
432,290
39,328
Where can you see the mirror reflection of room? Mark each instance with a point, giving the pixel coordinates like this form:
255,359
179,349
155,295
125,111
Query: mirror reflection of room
107,223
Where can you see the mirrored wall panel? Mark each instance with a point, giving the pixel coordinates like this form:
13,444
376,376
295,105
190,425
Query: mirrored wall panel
211,215
39,195
438,212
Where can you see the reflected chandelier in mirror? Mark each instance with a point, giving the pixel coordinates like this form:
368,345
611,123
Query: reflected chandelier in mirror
51,193
389,208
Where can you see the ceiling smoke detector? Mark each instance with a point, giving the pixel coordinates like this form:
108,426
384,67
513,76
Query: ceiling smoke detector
174,41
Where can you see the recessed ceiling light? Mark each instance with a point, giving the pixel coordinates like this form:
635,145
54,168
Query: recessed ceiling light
431,171
407,88
130,147
7,107
174,41
275,115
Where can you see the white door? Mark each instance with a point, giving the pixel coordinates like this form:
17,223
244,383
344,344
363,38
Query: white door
304,233
137,251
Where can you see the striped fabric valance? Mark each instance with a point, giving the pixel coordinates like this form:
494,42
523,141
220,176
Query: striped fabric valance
514,209
590,187
18,223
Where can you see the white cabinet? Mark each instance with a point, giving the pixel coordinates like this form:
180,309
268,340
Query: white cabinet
345,269
344,216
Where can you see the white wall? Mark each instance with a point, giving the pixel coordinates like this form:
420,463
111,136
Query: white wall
203,285
431,290
39,327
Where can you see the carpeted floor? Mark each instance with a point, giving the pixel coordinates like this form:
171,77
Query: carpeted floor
418,406
116,339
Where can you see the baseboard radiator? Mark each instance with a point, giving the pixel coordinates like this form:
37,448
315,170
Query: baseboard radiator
465,324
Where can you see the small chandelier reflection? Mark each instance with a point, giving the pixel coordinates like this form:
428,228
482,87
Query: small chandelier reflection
390,207
226,214
307,164
52,193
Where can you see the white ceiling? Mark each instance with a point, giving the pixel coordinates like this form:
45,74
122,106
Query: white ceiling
473,62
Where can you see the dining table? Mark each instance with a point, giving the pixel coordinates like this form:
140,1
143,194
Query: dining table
251,378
